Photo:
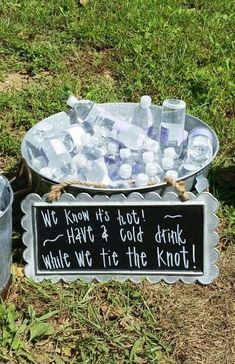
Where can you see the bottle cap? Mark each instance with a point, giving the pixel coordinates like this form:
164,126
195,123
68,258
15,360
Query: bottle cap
141,180
80,160
189,167
125,171
72,101
125,153
170,153
148,157
174,104
151,145
112,148
171,173
145,101
152,169
167,163
201,131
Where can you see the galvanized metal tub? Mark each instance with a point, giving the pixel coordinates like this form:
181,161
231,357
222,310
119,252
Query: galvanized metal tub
41,185
6,240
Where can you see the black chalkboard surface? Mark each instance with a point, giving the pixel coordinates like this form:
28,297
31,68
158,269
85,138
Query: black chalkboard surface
119,238
143,238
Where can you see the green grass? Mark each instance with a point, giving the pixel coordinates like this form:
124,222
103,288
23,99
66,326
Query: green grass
117,51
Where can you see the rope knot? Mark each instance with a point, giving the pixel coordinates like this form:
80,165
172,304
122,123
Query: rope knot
179,186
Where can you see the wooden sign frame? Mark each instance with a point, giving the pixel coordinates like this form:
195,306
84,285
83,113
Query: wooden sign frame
152,200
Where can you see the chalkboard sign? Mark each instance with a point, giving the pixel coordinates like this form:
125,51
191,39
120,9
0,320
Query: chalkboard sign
121,237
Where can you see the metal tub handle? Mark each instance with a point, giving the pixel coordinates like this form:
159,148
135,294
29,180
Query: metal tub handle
23,171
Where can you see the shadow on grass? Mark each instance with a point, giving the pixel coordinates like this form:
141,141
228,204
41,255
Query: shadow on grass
17,243
19,183
222,184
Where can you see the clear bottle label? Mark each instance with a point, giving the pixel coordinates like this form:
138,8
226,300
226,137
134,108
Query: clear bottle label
171,133
58,146
150,131
164,135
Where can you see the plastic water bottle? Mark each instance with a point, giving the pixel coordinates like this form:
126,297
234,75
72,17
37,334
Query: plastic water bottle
100,142
95,154
81,107
125,171
170,153
172,174
112,160
128,134
154,172
172,124
92,141
92,153
151,145
200,149
170,167
143,116
81,164
81,110
171,162
96,168
58,158
187,168
184,144
148,157
90,170
168,163
107,125
112,156
73,138
142,180
127,157
37,136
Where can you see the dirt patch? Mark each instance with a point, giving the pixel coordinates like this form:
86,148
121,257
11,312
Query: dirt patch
18,81
90,62
199,320
7,163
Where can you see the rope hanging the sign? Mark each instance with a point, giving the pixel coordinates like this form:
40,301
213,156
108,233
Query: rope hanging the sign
56,190
179,186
